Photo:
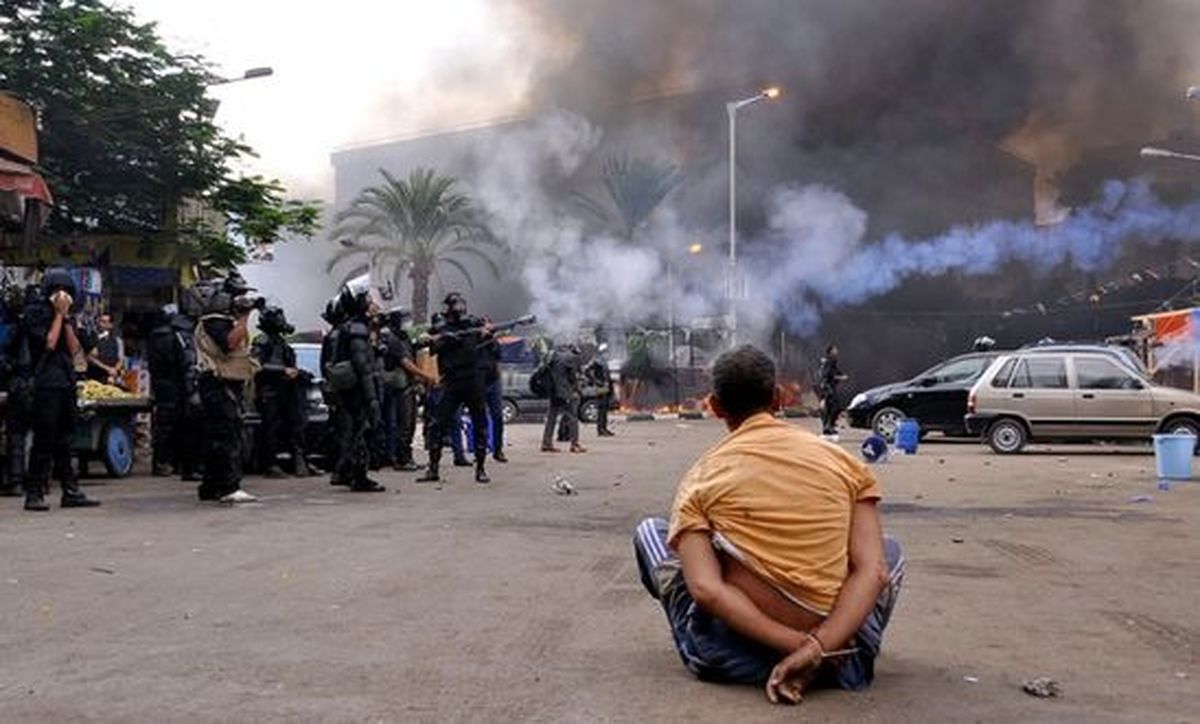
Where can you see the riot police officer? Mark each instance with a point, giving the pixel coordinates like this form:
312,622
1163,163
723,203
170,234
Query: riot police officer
457,346
401,378
164,356
279,395
351,375
223,350
49,332
18,372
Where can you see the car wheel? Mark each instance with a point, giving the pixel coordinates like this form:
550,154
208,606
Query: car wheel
1007,437
1184,426
589,411
886,422
509,411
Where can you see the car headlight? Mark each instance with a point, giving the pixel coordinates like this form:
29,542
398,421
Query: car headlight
859,399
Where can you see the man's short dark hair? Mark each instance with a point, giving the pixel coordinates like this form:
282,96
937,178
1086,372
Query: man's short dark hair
743,381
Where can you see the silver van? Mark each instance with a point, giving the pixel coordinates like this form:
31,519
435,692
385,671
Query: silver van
1079,396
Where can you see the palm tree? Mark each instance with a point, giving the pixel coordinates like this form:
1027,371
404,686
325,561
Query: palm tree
635,188
414,226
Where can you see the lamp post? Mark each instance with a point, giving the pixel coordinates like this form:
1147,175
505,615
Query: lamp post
1155,152
731,290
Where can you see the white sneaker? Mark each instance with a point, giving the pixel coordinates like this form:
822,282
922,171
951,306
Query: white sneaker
239,496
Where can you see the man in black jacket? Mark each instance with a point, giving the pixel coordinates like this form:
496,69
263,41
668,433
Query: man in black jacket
493,395
168,385
830,377
457,345
564,397
18,414
53,346
279,396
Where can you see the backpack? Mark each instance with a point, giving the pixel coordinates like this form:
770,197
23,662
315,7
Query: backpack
539,382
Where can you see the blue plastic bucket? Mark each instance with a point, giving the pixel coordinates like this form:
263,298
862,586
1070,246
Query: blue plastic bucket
1173,456
908,436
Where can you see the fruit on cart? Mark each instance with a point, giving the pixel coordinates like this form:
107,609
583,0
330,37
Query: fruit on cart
93,390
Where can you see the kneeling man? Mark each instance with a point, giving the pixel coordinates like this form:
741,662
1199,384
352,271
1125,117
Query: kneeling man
773,568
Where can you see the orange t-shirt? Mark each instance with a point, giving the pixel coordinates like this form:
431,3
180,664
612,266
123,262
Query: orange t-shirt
782,498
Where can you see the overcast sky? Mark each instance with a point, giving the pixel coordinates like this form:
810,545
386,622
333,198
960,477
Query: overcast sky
347,72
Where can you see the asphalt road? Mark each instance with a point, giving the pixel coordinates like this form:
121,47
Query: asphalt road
511,603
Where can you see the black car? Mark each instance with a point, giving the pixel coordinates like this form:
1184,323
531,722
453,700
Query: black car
936,398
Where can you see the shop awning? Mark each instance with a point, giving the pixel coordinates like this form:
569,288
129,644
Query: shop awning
18,178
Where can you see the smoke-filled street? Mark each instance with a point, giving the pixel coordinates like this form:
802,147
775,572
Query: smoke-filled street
514,603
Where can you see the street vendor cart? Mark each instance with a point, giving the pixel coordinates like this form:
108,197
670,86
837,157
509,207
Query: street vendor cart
105,432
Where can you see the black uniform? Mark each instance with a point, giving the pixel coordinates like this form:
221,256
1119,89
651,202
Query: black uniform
564,396
54,405
280,401
358,410
457,345
18,372
596,374
830,376
168,384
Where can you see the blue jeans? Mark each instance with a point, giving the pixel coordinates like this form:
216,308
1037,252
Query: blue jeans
713,651
494,401
390,407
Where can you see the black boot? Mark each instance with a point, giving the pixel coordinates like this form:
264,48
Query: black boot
73,497
163,470
366,485
35,499
481,475
431,472
460,461
500,457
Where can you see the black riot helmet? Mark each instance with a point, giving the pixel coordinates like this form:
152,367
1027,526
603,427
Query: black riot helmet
273,320
57,279
236,285
333,315
358,297
454,306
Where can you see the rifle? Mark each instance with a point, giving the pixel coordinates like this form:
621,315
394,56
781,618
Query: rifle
493,329
302,375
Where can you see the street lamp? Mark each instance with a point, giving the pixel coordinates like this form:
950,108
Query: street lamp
250,74
732,108
1155,152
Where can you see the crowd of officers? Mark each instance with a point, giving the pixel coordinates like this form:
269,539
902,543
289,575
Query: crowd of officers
202,365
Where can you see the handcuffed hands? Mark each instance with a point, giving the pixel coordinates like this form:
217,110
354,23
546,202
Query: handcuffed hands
792,676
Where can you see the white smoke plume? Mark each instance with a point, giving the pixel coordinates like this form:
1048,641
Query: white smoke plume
814,254
573,277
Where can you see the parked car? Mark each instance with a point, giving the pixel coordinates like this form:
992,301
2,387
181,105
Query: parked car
517,364
1079,396
937,398
318,433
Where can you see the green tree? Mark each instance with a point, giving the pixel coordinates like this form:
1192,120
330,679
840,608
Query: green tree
127,133
634,189
414,226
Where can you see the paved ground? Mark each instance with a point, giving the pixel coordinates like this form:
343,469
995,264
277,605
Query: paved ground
510,603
